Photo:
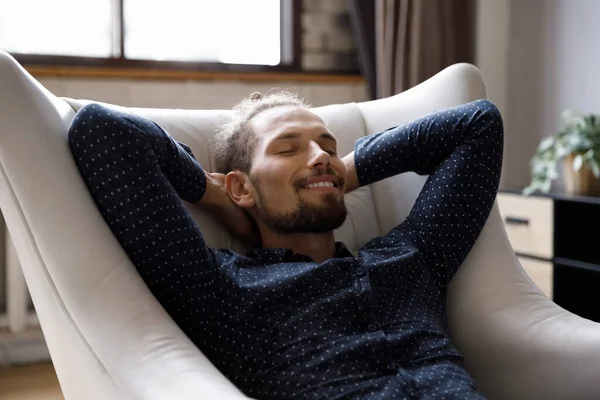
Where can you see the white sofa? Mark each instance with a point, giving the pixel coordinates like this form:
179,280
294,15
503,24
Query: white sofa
110,339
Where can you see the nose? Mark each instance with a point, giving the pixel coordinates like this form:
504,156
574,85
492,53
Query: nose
318,156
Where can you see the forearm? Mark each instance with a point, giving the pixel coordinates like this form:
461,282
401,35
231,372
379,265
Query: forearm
175,159
122,159
455,202
419,146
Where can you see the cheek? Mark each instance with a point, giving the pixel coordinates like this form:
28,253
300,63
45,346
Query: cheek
340,167
275,182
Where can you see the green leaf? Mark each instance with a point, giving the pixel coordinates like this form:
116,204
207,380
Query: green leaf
533,187
541,183
546,186
528,190
562,151
580,136
539,168
546,144
552,171
577,162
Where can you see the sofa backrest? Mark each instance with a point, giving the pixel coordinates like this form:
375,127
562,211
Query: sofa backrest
196,128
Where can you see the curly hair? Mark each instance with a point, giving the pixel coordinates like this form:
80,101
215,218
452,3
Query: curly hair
234,142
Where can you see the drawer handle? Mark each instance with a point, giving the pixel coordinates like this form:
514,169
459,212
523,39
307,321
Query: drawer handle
516,221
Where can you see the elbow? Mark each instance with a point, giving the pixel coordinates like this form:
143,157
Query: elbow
491,117
489,110
89,131
85,124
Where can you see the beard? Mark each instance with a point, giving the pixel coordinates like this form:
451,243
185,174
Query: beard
308,217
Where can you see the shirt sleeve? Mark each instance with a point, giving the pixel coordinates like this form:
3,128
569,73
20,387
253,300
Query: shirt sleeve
461,149
137,175
175,159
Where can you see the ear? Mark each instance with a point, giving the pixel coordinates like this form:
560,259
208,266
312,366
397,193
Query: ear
240,189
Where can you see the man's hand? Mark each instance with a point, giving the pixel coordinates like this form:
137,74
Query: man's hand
351,176
217,203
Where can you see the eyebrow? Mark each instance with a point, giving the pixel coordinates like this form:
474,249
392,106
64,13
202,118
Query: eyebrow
296,135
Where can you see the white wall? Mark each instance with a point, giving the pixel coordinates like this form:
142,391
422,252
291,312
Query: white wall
492,30
194,94
539,57
491,55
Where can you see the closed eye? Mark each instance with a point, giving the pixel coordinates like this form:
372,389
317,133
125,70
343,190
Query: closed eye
286,152
291,151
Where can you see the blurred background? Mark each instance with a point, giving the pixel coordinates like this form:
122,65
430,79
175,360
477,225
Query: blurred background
538,58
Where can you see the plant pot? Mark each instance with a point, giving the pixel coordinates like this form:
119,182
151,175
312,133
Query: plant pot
582,182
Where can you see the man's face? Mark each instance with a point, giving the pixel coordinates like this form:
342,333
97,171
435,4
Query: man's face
297,174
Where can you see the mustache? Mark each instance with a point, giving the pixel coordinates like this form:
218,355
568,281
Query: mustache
320,172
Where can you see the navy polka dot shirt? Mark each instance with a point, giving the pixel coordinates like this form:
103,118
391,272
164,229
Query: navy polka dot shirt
277,324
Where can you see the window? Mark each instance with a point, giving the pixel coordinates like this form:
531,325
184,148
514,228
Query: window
259,34
59,27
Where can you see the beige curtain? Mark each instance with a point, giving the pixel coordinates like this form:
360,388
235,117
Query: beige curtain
415,39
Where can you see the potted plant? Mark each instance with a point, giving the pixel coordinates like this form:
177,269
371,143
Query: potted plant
577,147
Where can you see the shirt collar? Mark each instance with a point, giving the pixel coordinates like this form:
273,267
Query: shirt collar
279,255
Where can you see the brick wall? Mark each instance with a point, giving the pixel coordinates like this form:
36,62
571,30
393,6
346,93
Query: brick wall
327,41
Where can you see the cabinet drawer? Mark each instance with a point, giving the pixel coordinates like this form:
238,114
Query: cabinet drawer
540,272
529,223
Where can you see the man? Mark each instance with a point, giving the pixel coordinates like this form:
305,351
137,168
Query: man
299,316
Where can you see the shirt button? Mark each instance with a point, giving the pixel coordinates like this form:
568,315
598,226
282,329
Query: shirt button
372,327
359,271
392,365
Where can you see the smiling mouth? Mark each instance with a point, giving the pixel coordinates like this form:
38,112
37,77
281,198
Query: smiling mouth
320,185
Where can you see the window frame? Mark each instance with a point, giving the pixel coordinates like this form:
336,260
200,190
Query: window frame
291,51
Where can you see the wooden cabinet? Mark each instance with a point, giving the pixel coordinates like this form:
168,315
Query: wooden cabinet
529,223
555,238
